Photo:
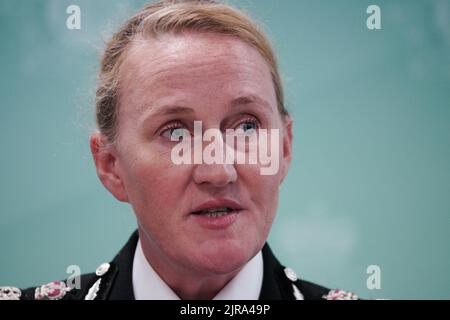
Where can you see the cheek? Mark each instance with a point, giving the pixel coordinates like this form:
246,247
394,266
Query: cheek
262,190
154,183
268,189
263,184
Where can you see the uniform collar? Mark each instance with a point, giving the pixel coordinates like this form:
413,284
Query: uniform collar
147,285
118,284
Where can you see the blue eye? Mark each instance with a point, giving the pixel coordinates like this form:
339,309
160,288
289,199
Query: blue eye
248,126
175,133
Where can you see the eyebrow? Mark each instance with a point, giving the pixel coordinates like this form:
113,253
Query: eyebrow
249,99
167,110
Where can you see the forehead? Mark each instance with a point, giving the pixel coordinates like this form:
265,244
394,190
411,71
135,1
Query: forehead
192,65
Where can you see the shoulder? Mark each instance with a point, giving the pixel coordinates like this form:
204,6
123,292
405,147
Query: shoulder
85,287
305,290
280,282
54,290
103,284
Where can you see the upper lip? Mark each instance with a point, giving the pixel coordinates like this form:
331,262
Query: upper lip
218,203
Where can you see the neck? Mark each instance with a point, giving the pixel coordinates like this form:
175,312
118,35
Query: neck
202,288
187,283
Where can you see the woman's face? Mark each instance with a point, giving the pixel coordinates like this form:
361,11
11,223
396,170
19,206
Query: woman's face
166,85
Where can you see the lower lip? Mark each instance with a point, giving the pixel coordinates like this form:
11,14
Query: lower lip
217,223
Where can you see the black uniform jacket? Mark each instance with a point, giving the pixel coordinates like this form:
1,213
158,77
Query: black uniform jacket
115,282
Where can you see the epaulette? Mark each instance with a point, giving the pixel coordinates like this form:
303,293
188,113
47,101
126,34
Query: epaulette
326,294
93,287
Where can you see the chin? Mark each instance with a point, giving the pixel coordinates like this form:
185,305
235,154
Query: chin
223,266
224,258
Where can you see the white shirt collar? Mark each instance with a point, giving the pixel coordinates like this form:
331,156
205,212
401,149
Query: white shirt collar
147,285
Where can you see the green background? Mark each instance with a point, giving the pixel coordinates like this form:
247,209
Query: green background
370,182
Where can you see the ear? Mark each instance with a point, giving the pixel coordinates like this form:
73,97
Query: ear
106,164
287,147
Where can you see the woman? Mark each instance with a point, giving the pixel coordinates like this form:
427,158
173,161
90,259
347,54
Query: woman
202,226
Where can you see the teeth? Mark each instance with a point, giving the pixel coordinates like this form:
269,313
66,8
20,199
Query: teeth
216,212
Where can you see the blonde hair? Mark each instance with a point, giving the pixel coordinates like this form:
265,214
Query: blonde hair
174,16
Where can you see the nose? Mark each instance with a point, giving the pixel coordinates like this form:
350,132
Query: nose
217,175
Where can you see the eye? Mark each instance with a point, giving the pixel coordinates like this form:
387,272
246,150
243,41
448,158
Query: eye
174,132
249,125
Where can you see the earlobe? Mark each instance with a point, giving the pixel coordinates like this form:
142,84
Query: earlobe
105,159
287,147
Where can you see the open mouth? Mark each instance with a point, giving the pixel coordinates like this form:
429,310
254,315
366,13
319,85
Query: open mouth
216,212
